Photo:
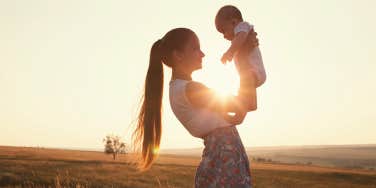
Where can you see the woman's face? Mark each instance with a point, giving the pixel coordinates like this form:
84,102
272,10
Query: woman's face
191,55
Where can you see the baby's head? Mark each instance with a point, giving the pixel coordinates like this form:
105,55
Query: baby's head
226,19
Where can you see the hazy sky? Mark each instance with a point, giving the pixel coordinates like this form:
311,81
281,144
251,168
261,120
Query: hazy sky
73,71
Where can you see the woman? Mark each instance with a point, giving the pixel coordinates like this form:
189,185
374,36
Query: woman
224,161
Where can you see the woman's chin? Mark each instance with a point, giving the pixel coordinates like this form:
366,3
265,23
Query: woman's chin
199,67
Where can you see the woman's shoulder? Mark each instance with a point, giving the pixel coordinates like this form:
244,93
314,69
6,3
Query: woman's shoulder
198,94
194,92
189,86
193,86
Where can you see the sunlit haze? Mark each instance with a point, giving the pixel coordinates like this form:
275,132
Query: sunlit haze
72,72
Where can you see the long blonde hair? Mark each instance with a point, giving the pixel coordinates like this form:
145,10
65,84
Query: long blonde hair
147,135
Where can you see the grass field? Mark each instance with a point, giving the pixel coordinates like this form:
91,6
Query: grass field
36,167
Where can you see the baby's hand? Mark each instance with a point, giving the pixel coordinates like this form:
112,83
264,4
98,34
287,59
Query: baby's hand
226,57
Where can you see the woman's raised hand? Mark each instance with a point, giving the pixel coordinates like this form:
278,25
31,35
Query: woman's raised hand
252,40
250,43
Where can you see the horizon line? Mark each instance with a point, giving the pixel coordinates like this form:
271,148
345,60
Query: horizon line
167,149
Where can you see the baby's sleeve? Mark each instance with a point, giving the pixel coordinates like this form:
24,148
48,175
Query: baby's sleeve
243,27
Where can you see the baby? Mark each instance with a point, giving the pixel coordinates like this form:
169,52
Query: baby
229,22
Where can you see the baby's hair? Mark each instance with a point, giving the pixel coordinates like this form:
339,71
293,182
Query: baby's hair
227,13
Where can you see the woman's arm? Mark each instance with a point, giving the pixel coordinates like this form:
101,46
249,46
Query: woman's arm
201,96
247,89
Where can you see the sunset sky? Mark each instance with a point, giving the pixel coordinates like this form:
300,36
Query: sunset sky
73,71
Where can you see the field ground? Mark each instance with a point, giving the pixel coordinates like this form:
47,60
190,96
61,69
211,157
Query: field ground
38,167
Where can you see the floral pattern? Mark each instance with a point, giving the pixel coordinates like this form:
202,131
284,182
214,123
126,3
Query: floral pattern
224,161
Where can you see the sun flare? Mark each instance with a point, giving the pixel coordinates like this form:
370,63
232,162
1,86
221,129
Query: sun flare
156,150
222,78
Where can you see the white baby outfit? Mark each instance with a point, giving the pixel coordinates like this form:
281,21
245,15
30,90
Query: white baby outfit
254,59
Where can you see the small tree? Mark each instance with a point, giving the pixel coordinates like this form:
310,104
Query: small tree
113,145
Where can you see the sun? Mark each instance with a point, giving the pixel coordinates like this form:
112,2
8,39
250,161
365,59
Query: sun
224,79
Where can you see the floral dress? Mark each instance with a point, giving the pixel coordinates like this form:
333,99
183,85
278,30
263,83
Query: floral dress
224,161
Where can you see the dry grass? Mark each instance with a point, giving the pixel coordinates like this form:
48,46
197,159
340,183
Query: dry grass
32,167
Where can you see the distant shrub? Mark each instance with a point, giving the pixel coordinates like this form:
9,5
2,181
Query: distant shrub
113,145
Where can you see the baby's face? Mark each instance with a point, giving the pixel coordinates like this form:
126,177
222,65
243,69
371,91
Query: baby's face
227,29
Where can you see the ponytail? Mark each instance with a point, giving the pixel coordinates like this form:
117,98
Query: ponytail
147,135
148,132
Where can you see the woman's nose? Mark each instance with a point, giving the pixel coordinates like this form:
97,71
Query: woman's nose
202,54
